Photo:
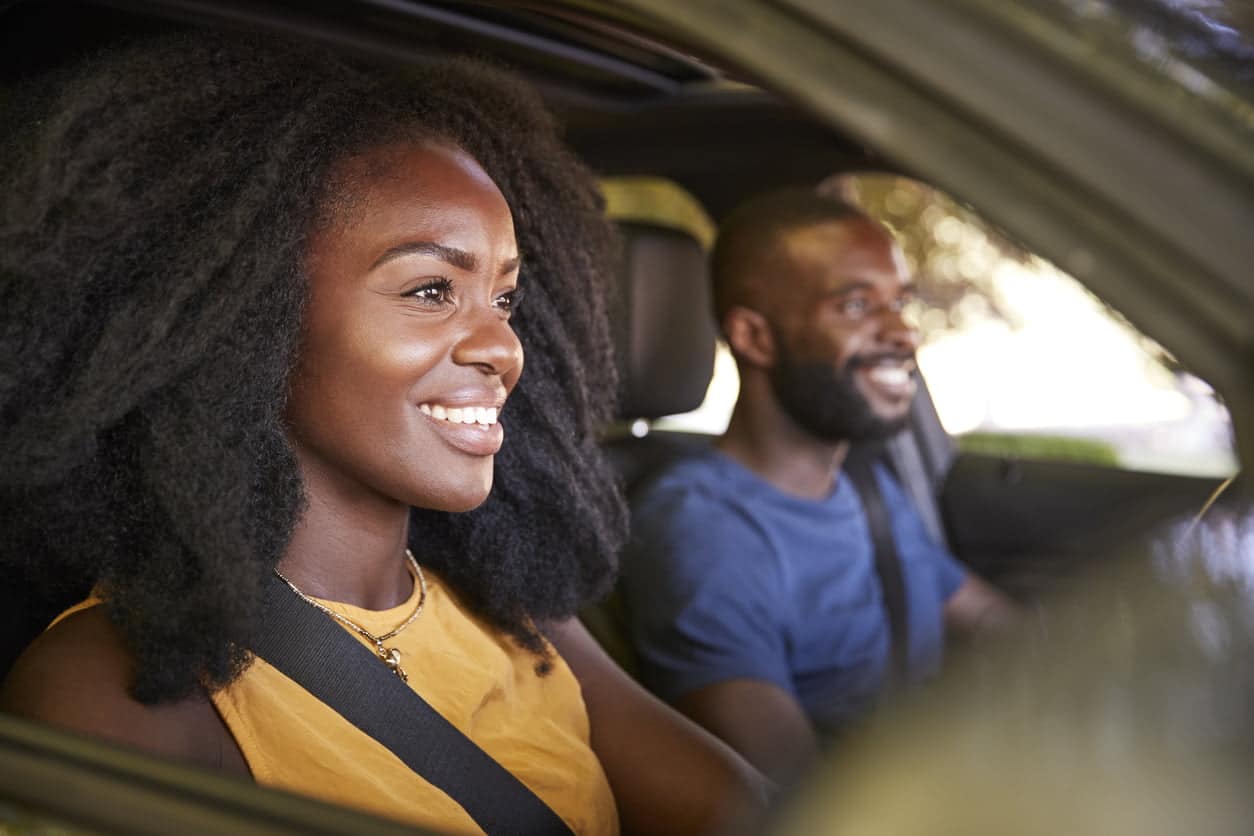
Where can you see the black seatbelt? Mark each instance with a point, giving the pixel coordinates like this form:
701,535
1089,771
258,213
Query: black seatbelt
309,648
887,564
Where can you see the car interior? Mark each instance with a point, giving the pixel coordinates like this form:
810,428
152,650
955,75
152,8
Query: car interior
642,113
633,108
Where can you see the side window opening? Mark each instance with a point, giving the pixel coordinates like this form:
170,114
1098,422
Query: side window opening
1020,359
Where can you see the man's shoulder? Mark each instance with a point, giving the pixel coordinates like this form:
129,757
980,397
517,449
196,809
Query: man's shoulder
893,494
915,544
707,473
897,499
696,509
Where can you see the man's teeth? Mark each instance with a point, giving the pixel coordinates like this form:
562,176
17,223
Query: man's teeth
889,375
482,415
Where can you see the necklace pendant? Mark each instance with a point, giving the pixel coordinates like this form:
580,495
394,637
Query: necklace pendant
392,658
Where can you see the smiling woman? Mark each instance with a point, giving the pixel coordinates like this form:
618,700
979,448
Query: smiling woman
257,306
408,313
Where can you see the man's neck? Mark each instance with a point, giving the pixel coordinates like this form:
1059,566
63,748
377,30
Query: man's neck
768,442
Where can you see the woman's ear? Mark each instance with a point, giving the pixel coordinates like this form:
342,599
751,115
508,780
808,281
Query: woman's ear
750,336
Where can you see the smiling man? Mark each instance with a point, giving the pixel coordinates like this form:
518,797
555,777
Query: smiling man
754,599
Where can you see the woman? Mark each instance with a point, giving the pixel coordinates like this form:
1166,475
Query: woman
257,303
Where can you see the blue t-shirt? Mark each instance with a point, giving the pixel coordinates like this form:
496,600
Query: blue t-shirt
727,577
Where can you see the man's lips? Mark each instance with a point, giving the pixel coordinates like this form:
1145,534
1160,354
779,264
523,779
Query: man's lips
890,374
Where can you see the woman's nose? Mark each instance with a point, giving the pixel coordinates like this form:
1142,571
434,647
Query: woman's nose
490,344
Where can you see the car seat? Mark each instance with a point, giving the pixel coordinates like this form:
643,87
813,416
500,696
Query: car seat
665,342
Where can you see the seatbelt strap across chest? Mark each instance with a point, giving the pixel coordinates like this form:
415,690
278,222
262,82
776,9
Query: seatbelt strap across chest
887,566
309,648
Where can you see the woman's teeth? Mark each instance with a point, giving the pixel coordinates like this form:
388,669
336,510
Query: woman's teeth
483,415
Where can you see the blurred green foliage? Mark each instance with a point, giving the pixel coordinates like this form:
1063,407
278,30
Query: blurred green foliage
1048,447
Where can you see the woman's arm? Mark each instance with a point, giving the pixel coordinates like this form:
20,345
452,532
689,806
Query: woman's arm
669,775
760,720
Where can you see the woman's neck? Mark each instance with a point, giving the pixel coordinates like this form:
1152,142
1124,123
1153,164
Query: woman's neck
350,550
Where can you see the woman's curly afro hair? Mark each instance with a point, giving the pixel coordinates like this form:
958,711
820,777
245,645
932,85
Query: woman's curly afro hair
156,206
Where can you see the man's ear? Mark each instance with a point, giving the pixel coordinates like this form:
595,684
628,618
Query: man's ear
750,336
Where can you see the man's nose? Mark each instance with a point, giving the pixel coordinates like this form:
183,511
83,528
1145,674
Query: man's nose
897,330
490,344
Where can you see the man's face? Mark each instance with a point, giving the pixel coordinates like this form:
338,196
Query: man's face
845,363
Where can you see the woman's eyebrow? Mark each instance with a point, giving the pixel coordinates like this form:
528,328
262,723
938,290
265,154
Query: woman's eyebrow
452,255
509,265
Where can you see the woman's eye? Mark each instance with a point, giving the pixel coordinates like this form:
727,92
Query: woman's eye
509,300
435,292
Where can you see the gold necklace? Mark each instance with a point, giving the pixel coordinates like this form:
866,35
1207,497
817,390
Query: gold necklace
389,655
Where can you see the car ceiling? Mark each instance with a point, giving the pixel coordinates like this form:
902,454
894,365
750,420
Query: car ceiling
629,106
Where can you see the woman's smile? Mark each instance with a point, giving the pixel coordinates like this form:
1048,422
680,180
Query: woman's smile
472,429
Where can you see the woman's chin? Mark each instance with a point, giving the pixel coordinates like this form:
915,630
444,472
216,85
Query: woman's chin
463,507
458,499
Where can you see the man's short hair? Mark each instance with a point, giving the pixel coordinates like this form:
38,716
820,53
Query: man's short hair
748,236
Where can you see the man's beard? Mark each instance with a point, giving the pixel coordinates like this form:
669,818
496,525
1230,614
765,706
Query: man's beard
827,403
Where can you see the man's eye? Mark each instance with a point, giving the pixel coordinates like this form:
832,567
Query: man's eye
853,307
509,300
434,292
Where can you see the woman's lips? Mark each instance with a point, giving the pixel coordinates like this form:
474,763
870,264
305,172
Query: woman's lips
470,429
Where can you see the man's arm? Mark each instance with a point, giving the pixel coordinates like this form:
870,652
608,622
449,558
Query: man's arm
760,720
977,607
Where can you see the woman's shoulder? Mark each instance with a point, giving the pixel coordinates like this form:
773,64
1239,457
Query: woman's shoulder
77,674
72,665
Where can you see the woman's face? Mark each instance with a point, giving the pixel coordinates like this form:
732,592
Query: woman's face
407,353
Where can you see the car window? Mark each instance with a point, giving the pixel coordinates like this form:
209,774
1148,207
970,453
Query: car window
1020,359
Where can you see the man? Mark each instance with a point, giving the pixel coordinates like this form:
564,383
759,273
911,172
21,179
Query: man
750,580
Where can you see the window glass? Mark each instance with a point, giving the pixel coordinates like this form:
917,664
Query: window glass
1021,359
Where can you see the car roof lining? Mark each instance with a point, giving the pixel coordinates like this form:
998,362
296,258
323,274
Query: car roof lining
629,106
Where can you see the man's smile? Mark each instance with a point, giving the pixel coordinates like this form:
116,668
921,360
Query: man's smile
889,374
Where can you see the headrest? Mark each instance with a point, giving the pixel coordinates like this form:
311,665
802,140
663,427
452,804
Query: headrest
666,335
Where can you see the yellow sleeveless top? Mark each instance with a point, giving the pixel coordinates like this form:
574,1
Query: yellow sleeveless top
479,680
